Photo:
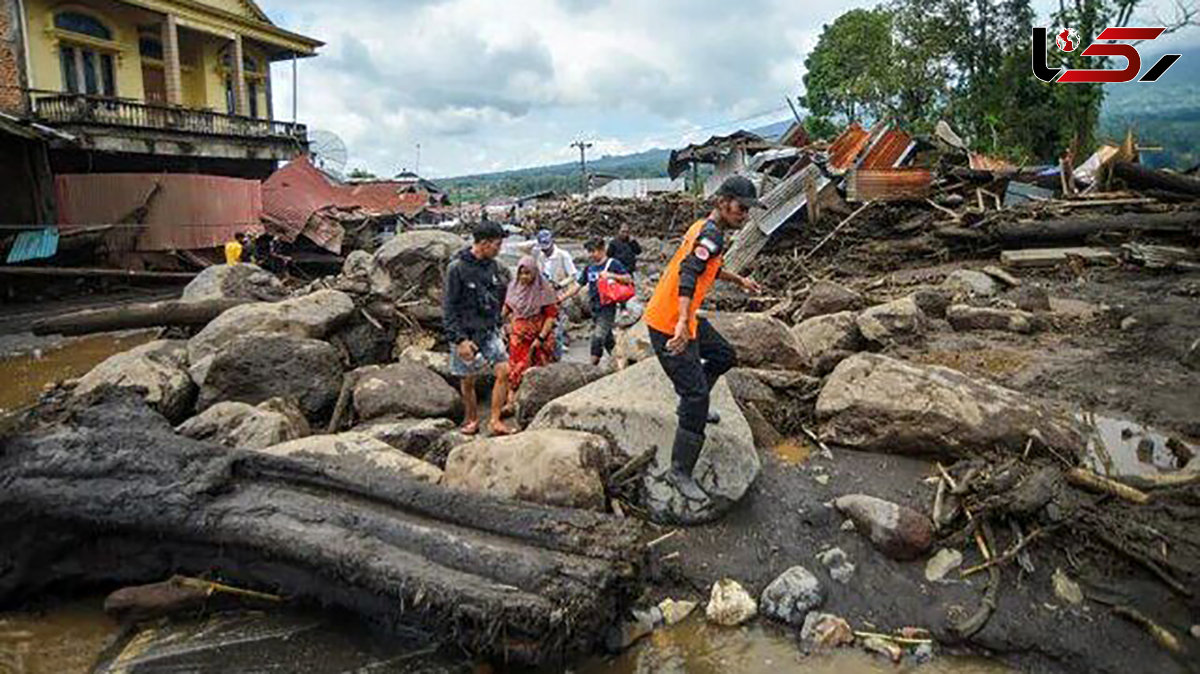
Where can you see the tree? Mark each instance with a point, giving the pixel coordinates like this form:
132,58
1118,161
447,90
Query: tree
847,73
361,174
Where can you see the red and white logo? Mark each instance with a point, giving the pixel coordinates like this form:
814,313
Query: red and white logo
1112,41
1067,40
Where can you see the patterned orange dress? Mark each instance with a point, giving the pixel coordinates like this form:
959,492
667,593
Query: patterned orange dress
521,354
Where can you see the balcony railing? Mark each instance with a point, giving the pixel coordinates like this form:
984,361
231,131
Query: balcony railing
94,110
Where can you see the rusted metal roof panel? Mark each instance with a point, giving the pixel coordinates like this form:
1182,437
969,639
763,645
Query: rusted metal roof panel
846,148
293,193
178,211
895,184
888,151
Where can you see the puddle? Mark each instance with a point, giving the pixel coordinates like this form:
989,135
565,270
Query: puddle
61,641
26,376
1121,448
793,451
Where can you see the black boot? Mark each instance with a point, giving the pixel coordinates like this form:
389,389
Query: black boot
684,455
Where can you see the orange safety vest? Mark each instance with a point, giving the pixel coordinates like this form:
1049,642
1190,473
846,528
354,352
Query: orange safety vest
662,313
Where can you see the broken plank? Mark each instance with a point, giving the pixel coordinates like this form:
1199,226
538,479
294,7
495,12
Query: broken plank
1049,257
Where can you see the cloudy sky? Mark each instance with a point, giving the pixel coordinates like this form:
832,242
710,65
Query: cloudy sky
486,85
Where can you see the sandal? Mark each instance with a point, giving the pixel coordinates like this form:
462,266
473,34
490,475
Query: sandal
471,428
498,429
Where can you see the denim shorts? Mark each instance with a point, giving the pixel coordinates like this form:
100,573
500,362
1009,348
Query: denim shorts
491,353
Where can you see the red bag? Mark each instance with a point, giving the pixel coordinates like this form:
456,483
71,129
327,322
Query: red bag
614,292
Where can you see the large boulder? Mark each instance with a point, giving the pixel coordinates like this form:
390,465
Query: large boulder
636,410
826,340
827,297
760,340
540,385
358,452
899,532
158,370
552,467
412,265
411,436
403,389
313,316
437,361
255,368
876,403
240,282
244,426
892,322
365,342
792,595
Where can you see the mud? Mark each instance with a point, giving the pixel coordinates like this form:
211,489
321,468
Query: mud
27,374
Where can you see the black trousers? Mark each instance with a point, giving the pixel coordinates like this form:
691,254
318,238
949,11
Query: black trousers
695,372
603,320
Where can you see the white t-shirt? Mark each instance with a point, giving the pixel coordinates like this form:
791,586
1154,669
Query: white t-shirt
557,266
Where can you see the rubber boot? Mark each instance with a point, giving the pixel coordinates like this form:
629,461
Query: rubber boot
684,455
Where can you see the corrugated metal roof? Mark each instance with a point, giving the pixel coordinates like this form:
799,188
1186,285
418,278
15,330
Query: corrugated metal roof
184,212
892,146
894,184
34,245
846,148
293,193
787,198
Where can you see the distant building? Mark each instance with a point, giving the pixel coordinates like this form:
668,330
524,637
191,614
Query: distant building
637,188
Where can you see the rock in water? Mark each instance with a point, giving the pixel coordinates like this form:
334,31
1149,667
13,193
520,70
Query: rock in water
313,316
876,403
828,298
552,467
243,426
792,595
540,385
826,340
157,370
241,281
675,611
635,408
414,264
945,561
358,450
760,340
255,368
825,631
892,322
730,605
898,532
403,389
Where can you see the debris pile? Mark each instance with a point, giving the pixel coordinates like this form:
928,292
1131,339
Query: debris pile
662,215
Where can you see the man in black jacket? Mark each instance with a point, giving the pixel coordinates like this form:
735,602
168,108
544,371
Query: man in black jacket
625,249
474,298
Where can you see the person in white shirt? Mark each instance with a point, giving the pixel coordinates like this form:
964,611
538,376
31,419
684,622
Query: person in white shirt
556,265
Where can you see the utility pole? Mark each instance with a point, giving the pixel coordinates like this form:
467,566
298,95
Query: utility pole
583,148
418,171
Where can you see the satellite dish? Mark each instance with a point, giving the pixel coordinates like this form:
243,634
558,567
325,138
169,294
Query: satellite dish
327,150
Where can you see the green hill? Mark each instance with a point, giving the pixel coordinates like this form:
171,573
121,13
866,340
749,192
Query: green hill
1165,113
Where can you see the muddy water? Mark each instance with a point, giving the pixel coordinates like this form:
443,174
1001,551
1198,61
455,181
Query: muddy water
1122,448
66,639
25,376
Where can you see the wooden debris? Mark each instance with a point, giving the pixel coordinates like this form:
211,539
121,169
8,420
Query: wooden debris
1162,635
1081,477
136,316
1050,257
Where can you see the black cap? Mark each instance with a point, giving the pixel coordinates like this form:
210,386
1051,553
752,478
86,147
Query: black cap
740,188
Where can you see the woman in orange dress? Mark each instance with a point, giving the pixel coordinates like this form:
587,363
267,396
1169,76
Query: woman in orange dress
532,303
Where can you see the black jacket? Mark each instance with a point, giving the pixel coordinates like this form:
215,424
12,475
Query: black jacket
473,298
625,251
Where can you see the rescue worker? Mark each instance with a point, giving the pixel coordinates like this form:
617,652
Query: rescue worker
693,354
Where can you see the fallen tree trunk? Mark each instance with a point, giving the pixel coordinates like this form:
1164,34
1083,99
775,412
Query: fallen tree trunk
1071,229
136,316
1138,176
111,494
88,272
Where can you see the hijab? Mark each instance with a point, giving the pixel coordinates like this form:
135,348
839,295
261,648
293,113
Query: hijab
527,300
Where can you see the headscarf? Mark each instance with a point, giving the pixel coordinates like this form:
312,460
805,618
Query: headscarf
527,300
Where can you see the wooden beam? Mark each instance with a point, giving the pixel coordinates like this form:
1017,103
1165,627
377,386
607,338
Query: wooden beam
1050,257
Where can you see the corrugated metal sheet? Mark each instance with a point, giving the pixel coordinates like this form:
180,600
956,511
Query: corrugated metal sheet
787,198
902,184
293,193
35,245
189,212
846,148
888,151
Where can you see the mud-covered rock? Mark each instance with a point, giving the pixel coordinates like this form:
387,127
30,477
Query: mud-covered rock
552,467
540,385
971,283
964,318
255,368
412,265
897,531
633,344
244,426
411,436
403,389
826,340
827,297
933,301
157,370
312,316
358,450
792,595
759,340
239,281
876,403
895,321
730,605
1032,298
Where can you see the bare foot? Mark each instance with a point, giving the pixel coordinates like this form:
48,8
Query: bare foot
498,428
470,428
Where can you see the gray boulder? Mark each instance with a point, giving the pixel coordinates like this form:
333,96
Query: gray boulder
792,595
1032,298
875,403
635,409
403,389
892,322
965,318
552,467
970,283
412,265
255,368
357,264
933,301
240,281
827,297
417,437
244,426
900,533
357,453
437,361
158,370
826,340
633,344
540,385
761,341
313,316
